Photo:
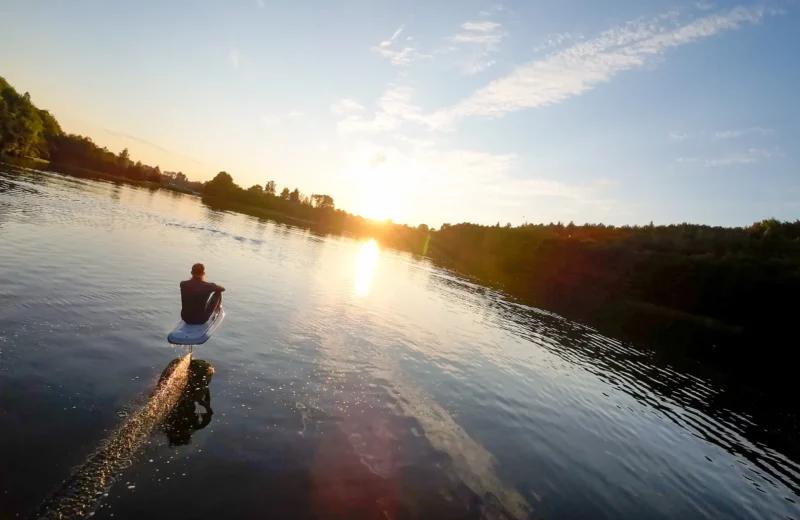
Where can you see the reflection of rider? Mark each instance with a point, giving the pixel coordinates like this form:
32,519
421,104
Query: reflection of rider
183,420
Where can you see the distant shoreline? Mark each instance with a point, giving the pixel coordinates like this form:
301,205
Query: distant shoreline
574,278
211,201
86,173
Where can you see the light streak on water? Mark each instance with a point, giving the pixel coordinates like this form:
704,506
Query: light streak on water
80,495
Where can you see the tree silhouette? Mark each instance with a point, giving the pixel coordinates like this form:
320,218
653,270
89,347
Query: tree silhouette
324,202
729,280
220,185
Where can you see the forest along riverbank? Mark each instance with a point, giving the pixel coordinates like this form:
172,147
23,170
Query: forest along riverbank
723,296
348,379
702,293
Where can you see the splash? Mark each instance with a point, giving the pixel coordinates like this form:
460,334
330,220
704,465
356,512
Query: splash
81,493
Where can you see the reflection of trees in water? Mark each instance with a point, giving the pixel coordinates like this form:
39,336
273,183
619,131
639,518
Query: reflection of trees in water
11,187
183,420
24,170
734,418
151,191
212,214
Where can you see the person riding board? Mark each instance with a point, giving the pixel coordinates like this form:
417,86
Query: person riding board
197,307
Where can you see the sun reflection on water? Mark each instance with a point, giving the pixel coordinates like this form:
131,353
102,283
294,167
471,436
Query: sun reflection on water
365,267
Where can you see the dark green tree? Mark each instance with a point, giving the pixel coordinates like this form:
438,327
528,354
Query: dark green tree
220,185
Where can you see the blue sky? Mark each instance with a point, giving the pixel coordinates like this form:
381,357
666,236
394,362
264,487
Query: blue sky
588,110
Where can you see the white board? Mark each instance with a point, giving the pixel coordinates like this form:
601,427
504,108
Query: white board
185,334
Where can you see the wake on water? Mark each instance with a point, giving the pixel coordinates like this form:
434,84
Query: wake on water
81,493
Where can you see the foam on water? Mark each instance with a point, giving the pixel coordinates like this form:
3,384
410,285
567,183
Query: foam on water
81,493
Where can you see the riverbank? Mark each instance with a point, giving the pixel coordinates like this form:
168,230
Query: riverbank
347,383
254,211
85,173
617,288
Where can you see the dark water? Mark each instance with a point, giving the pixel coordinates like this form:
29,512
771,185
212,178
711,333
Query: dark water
348,382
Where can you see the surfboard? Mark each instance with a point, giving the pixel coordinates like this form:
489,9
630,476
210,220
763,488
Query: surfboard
186,334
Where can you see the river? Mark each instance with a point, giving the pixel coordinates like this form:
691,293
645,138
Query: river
348,381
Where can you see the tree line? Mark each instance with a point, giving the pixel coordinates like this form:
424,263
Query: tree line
712,292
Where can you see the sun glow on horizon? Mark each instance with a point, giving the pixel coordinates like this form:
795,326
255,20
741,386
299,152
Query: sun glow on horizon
379,184
376,193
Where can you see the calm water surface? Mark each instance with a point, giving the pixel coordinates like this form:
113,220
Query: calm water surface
350,382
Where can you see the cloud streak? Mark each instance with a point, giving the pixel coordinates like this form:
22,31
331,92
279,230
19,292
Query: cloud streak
584,65
276,120
733,134
344,106
749,156
151,144
394,108
397,33
398,54
233,56
480,40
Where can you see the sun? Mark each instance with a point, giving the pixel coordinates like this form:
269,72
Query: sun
377,192
374,207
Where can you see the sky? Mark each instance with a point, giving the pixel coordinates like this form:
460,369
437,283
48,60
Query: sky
439,111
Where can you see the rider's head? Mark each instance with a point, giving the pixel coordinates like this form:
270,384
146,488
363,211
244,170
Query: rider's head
198,271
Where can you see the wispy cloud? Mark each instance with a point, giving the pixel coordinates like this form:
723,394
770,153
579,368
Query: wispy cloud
489,178
344,106
261,4
399,54
586,64
397,33
733,134
679,136
394,108
400,57
273,120
233,56
484,27
479,40
151,144
749,156
554,41
704,5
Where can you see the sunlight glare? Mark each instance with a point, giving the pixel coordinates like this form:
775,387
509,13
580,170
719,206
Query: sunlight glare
365,267
379,183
